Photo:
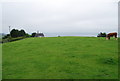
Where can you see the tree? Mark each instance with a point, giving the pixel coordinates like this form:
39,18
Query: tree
16,33
33,34
22,33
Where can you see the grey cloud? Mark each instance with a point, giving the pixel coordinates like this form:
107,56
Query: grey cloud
61,15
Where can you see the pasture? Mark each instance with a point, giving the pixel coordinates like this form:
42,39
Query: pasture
61,58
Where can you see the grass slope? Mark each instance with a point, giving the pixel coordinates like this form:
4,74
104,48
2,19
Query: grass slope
61,58
0,61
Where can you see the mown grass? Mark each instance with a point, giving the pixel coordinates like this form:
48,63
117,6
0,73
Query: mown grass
61,58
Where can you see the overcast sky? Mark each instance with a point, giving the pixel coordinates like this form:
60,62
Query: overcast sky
48,16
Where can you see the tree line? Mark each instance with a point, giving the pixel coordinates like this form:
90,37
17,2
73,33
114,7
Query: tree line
14,33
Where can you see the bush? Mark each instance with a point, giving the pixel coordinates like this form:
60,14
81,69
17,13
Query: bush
11,39
101,34
6,36
15,39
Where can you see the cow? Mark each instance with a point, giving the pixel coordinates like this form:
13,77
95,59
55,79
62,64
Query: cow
111,35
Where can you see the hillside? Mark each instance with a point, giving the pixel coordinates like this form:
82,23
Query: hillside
61,58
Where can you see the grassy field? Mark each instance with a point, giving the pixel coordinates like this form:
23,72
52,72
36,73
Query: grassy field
0,62
61,58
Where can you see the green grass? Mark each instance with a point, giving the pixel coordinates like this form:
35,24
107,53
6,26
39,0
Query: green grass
0,61
61,58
